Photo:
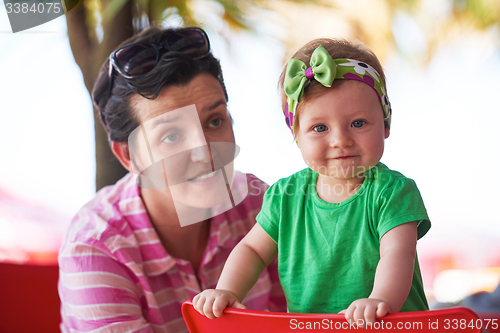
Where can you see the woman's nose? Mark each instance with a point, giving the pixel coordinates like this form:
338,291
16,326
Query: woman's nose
341,139
201,154
202,151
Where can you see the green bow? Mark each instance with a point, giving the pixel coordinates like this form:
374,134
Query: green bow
323,68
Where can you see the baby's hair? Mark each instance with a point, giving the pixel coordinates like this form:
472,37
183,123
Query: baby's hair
337,48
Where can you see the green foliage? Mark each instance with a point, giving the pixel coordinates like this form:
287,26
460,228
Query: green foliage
233,13
483,13
111,8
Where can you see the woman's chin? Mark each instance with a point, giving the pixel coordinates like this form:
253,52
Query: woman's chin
202,193
196,208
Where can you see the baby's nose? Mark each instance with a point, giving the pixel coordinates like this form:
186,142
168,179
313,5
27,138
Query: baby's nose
340,139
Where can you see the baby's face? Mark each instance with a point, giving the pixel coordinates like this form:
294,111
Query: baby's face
342,132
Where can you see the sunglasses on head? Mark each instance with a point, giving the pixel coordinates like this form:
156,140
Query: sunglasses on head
134,60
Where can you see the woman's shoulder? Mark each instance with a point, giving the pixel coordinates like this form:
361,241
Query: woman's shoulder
253,182
250,189
103,216
247,192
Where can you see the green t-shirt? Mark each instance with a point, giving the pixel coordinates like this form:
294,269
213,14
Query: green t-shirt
328,252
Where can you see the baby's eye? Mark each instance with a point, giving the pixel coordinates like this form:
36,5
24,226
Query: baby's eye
357,123
320,128
216,122
171,137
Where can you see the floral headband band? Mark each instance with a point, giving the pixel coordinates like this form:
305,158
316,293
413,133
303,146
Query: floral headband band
324,69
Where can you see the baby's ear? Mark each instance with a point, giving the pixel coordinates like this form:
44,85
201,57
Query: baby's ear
387,132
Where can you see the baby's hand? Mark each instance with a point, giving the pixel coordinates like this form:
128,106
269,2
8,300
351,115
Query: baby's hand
366,310
212,302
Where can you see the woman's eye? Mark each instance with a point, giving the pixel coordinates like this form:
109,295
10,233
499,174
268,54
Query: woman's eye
171,138
320,128
358,123
216,122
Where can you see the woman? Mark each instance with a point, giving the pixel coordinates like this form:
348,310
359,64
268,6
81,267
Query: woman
162,233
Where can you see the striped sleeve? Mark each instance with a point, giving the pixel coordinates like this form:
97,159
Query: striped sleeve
98,294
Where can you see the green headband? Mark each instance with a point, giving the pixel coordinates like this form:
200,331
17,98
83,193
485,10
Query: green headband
325,70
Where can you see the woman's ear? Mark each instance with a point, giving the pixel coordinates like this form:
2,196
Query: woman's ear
120,150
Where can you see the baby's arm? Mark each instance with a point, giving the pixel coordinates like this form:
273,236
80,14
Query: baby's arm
242,269
393,277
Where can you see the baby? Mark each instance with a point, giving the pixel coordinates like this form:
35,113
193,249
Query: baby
346,227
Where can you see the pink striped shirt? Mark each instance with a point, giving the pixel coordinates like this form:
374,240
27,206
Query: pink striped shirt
115,275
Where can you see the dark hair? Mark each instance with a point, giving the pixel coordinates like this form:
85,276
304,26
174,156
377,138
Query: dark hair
337,48
116,112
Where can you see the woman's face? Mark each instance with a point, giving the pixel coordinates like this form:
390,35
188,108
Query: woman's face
185,143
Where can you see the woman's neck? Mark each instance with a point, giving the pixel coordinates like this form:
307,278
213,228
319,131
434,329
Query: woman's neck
183,242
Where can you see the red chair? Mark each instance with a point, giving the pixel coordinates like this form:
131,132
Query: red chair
248,321
29,301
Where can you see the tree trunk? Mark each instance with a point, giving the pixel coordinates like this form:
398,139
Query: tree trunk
90,55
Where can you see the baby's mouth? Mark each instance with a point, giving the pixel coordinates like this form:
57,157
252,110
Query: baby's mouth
345,157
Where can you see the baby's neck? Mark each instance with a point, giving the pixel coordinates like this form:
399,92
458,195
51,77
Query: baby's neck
336,190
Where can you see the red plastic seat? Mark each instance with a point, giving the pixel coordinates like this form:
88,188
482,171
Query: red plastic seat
457,319
29,301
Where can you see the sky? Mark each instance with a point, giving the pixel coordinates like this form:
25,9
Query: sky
444,131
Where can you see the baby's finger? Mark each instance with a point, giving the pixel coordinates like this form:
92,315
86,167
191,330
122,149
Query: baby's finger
238,305
359,316
370,314
382,309
198,302
208,308
195,300
220,304
349,312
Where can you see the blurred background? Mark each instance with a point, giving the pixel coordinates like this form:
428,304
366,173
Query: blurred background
442,63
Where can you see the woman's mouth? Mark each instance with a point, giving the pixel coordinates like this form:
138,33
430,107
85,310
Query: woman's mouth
204,177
